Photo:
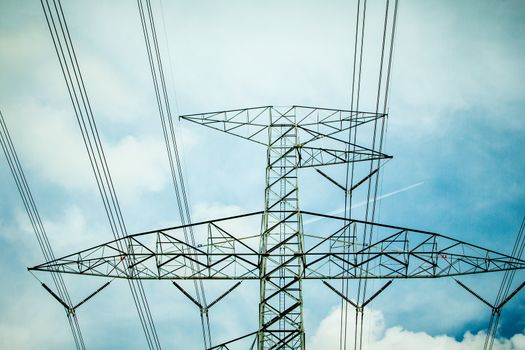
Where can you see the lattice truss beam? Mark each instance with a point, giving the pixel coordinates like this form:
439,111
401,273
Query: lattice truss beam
323,132
229,251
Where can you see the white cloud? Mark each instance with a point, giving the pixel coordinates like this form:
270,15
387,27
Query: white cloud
68,231
111,91
71,231
45,324
52,148
377,337
137,165
448,60
206,211
49,145
239,228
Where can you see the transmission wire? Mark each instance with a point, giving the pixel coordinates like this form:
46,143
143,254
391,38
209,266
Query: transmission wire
38,227
172,149
362,288
199,291
517,252
375,178
91,139
359,289
347,213
348,197
357,102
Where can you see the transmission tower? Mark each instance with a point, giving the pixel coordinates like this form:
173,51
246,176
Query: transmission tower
282,245
286,250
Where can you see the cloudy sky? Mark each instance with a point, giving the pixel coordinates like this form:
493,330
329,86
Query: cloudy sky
456,131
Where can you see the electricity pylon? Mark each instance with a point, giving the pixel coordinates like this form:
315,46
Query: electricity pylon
281,253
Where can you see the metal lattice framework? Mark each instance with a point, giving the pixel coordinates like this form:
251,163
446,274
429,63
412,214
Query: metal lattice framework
281,245
395,253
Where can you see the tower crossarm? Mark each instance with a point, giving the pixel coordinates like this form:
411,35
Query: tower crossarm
313,156
334,120
394,252
312,123
247,123
338,134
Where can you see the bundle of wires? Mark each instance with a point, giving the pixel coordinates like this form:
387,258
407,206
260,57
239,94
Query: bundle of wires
38,227
168,130
65,51
383,85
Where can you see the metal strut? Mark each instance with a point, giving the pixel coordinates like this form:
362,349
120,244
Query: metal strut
71,309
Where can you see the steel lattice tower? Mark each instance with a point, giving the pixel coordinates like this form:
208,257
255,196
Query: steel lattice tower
284,251
296,137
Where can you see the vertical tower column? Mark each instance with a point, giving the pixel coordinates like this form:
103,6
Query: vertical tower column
280,307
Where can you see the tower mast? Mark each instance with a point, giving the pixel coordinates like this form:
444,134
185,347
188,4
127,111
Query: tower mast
280,304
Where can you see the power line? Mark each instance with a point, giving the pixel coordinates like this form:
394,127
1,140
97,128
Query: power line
61,38
349,179
503,293
170,140
372,180
38,227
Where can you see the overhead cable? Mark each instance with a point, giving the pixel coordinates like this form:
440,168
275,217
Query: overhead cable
38,227
65,51
157,73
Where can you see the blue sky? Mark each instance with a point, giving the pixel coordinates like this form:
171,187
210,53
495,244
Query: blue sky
456,127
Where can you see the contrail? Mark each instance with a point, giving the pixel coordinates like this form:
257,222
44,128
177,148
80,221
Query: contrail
360,204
